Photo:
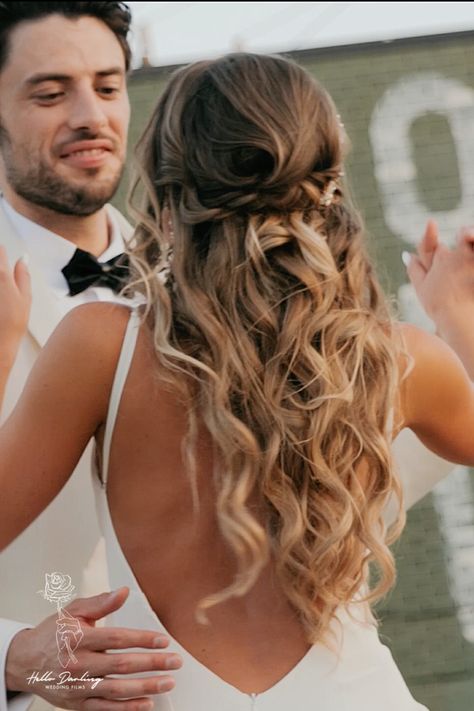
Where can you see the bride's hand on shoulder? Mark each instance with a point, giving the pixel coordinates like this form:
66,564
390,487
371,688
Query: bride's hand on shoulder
15,304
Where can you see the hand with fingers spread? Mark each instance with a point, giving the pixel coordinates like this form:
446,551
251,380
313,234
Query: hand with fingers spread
33,653
443,279
15,302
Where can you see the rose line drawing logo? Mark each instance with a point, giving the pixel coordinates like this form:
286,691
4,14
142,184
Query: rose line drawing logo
59,589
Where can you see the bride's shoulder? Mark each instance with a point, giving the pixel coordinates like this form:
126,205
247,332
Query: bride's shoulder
412,337
420,348
99,313
95,323
437,397
87,342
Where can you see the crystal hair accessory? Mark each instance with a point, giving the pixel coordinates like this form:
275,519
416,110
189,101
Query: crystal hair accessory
327,198
328,195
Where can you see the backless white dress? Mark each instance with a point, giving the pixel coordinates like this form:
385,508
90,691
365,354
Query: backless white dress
360,675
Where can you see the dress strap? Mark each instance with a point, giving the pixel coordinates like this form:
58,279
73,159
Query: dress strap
123,366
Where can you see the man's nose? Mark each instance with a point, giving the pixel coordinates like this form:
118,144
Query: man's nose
87,112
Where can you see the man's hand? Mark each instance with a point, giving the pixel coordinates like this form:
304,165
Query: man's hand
34,652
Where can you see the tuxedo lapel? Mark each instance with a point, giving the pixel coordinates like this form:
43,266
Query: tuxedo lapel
46,310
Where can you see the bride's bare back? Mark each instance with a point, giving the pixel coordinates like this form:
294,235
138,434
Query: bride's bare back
177,553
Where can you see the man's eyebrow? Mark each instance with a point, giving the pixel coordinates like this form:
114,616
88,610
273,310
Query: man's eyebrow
111,71
39,78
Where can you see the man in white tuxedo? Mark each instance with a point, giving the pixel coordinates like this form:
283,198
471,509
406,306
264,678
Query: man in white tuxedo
64,115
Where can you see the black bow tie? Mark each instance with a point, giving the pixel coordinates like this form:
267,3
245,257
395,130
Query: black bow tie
84,270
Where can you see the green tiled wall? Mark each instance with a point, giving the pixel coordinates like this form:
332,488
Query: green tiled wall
428,620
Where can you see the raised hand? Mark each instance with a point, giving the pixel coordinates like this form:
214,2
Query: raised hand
15,303
443,279
33,654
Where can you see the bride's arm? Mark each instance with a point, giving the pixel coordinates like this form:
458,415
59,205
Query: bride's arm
64,402
437,396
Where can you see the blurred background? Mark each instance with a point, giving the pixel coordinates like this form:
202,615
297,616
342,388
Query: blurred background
402,76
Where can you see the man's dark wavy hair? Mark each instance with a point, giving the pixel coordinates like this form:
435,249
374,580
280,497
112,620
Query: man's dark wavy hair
116,15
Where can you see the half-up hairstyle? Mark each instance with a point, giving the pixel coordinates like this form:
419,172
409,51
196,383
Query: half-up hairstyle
272,324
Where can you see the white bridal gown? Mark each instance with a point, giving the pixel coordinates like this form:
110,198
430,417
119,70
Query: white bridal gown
361,676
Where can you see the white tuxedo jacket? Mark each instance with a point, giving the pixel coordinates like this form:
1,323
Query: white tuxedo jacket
65,534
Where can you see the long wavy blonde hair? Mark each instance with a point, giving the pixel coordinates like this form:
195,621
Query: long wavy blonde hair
272,324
